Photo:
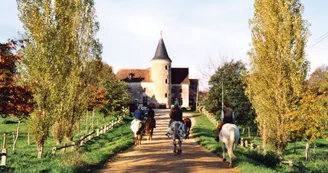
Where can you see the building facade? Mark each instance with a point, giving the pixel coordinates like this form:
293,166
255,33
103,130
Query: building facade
161,84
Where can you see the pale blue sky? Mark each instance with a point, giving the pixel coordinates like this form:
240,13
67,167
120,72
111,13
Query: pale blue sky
193,30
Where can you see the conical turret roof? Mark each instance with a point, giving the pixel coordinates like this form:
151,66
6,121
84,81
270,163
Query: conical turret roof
161,52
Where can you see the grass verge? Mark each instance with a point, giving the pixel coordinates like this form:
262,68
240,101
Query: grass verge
89,157
247,161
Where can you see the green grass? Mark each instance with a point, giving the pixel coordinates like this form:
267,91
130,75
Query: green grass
251,161
90,156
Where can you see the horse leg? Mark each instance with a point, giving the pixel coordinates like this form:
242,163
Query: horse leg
224,155
180,147
151,133
175,147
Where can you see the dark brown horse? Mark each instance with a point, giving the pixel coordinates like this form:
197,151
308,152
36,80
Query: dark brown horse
187,122
150,124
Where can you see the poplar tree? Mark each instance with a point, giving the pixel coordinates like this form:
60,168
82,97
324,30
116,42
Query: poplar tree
278,66
61,42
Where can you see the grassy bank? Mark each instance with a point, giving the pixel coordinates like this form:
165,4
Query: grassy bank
251,161
88,157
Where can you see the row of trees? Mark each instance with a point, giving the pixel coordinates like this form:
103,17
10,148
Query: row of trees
60,67
287,105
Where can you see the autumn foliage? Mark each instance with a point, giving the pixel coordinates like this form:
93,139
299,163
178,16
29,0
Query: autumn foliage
14,99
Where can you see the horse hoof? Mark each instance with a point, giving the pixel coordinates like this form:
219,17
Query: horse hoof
224,159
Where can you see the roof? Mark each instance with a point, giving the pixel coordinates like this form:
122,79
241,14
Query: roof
139,75
161,52
180,75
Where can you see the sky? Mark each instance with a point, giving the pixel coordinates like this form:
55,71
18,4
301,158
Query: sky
194,31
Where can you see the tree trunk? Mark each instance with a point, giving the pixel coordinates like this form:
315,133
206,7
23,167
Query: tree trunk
264,137
86,122
4,141
314,148
17,132
307,147
40,150
295,146
28,138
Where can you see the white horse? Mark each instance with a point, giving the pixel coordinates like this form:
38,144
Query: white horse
229,136
177,132
136,127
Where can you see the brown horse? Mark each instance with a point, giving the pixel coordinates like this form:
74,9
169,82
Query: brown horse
187,122
150,124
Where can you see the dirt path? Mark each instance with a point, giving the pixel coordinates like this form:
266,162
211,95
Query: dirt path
157,155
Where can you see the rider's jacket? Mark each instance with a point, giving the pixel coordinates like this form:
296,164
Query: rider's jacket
176,114
139,115
228,118
151,114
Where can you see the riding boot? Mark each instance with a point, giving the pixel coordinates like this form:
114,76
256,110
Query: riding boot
217,139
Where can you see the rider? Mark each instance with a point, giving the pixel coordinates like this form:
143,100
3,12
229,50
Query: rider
176,115
227,117
139,115
151,115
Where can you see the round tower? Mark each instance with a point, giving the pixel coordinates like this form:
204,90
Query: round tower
161,74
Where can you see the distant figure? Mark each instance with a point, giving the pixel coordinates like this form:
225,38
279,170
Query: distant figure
151,115
227,117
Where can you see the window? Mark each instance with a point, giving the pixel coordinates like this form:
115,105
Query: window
165,95
172,100
165,80
180,90
131,75
180,101
144,101
166,67
144,89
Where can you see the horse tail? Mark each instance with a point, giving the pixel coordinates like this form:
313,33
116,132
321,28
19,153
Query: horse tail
176,129
231,142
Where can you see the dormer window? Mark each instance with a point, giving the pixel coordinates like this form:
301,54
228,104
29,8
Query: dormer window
131,75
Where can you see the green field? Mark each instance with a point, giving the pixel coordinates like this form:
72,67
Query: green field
251,161
88,157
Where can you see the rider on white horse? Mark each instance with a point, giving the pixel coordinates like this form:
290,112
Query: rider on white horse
176,115
138,117
227,117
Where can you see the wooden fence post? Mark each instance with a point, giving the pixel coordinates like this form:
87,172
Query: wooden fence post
81,141
242,142
89,137
291,166
97,132
246,143
73,146
4,152
64,148
3,157
258,149
252,146
53,151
